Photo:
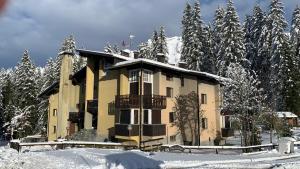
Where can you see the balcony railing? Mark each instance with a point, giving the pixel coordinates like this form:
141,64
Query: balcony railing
92,106
127,101
133,101
127,130
154,129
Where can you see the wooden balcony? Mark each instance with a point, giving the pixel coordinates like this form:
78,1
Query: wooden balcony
123,130
133,101
154,130
92,106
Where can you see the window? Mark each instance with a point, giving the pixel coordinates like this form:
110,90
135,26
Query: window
54,112
125,117
171,117
169,92
173,138
54,129
182,81
146,117
147,76
203,99
204,123
136,116
133,76
169,77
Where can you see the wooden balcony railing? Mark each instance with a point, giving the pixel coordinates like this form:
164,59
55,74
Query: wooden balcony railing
127,101
124,130
133,101
154,129
92,106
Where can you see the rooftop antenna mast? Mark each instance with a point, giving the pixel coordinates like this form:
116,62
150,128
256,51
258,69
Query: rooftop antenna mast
130,40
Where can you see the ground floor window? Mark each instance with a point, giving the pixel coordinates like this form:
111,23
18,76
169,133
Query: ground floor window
204,123
173,138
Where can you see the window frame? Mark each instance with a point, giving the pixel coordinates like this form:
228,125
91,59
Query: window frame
54,113
203,98
54,129
204,123
171,92
171,114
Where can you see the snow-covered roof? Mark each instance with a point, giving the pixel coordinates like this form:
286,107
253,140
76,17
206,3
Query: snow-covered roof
286,114
103,54
167,66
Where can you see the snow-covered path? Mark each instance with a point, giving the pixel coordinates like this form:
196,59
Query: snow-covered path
82,158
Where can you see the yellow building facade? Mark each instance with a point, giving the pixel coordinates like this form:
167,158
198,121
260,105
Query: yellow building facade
129,99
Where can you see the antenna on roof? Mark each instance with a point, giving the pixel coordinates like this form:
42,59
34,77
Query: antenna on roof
130,40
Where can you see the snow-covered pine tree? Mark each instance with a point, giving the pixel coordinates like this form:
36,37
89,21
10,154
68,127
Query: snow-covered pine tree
194,61
217,34
2,74
257,22
293,104
162,43
154,45
112,49
144,51
79,63
26,91
232,48
274,34
209,60
243,97
186,32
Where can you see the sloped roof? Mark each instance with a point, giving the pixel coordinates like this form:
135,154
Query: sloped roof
85,53
286,114
167,66
50,90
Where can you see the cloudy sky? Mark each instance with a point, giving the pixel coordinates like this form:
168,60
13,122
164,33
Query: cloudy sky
41,25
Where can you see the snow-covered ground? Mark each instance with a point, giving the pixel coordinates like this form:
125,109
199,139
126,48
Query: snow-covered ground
81,158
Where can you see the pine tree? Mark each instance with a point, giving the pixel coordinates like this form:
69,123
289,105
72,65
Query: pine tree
2,74
232,49
293,103
217,34
209,60
26,92
162,43
274,39
186,33
194,61
154,45
144,51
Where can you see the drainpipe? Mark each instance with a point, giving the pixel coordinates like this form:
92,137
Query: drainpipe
198,109
141,106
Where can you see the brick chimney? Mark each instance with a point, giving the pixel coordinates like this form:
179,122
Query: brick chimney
161,57
182,64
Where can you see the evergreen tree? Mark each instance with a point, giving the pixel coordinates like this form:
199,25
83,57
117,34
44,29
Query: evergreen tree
154,45
2,74
194,61
144,51
26,92
274,35
186,33
209,60
293,103
232,49
162,45
217,35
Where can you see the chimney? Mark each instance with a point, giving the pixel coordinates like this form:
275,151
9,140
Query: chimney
161,57
136,54
182,64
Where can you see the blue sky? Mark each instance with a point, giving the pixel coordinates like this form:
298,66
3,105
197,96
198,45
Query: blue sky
41,25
